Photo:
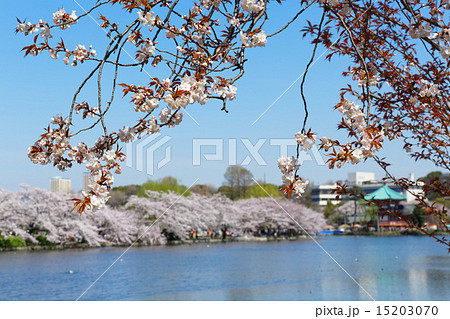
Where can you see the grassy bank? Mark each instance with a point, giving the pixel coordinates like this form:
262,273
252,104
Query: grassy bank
21,245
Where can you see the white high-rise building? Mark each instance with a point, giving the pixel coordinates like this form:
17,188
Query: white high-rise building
60,185
358,178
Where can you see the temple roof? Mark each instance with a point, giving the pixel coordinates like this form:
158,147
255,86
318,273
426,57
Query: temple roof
384,193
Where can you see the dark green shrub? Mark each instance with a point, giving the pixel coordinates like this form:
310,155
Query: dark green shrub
43,241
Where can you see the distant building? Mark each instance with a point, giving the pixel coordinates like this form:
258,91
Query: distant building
60,185
321,194
388,200
363,180
358,178
88,179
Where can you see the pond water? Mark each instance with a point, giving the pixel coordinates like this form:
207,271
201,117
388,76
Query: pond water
389,268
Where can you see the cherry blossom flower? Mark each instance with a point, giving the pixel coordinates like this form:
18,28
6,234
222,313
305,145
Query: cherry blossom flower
126,134
147,19
252,5
63,19
306,142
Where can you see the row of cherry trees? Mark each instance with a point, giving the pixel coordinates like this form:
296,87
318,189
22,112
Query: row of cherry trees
181,215
148,220
35,212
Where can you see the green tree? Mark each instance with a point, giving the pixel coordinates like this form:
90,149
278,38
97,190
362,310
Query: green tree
263,190
119,195
418,216
205,189
239,179
166,185
225,190
432,176
370,211
331,215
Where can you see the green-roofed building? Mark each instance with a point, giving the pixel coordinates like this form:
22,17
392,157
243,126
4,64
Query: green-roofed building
387,199
384,193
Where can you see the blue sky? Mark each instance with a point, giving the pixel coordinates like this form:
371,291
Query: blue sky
34,89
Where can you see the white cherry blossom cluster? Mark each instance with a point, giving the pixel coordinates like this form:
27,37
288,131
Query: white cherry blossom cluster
63,19
97,194
373,79
445,51
50,148
147,19
201,29
45,31
207,4
167,115
79,153
99,166
144,103
87,111
234,21
331,3
147,50
306,142
252,5
78,55
352,115
27,28
228,91
130,38
93,164
126,134
53,54
428,89
152,126
367,141
257,40
30,28
288,167
288,164
191,89
326,143
354,118
425,30
149,126
171,33
355,156
421,31
300,187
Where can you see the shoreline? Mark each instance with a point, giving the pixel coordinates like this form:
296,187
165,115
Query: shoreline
202,241
171,243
